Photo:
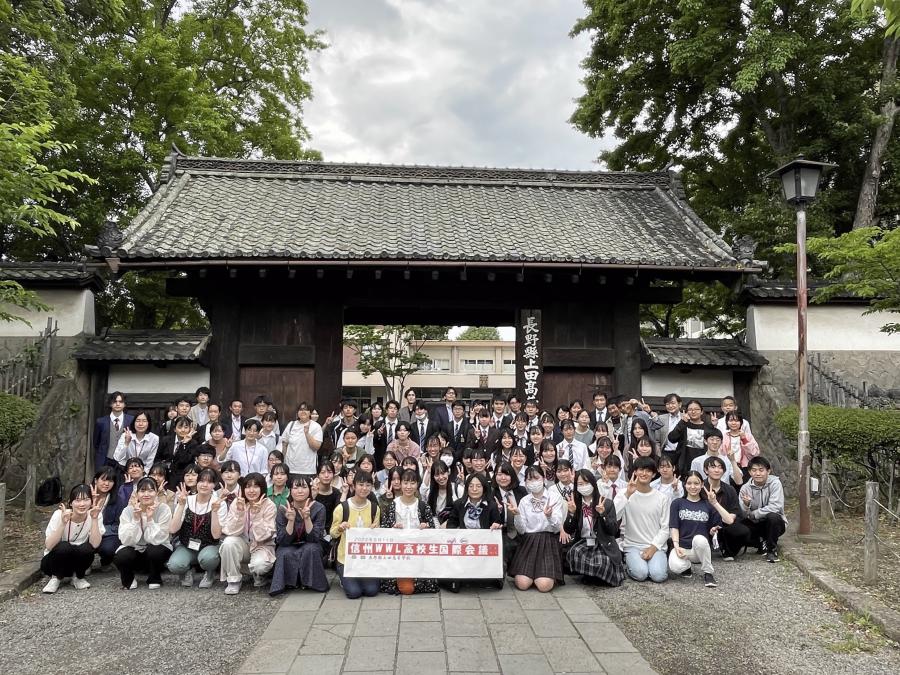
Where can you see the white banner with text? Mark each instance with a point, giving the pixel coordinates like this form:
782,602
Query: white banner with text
423,554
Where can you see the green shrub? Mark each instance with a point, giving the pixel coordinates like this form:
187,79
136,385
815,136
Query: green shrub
16,415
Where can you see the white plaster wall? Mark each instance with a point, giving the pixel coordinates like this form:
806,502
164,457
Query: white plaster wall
829,328
354,378
145,378
73,309
693,384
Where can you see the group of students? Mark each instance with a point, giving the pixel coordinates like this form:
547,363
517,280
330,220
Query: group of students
603,494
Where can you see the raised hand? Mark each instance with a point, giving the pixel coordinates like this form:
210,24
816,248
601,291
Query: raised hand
66,514
305,510
127,436
290,513
240,504
601,507
511,506
314,488
570,503
710,495
632,486
150,510
182,494
685,417
228,443
713,418
746,498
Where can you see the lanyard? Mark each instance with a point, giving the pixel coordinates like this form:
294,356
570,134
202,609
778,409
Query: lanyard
77,534
197,523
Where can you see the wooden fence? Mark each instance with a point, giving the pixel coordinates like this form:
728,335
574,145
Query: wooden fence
30,372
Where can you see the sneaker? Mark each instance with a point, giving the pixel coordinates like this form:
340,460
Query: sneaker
52,585
728,557
772,556
688,573
80,584
208,580
762,549
258,581
233,588
187,579
153,587
133,586
709,580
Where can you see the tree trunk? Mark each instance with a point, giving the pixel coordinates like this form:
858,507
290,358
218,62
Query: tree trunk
868,191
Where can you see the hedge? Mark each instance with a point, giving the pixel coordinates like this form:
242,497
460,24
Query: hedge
16,415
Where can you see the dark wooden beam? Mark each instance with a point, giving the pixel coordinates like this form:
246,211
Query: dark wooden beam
579,358
276,355
627,346
222,353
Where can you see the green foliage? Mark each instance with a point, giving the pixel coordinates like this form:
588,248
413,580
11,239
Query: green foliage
865,263
712,303
13,295
394,352
479,333
139,300
891,9
16,415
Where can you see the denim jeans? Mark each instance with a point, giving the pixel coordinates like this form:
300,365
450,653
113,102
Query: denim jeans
355,587
656,569
183,559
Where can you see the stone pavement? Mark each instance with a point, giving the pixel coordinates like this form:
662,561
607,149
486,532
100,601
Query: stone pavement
474,631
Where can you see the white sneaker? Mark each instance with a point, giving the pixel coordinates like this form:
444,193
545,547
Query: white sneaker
80,584
52,585
208,580
187,579
133,586
233,588
153,587
258,581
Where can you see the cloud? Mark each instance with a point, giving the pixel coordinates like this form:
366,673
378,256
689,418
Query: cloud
449,82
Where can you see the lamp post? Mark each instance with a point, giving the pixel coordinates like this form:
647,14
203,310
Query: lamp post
799,183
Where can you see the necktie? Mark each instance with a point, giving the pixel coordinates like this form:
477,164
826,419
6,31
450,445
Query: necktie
421,431
456,429
116,423
614,490
569,448
390,432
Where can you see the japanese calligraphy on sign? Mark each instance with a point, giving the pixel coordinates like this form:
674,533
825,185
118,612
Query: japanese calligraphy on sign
530,357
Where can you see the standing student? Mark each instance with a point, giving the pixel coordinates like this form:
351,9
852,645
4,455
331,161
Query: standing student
402,446
762,507
688,436
199,413
506,488
538,518
645,525
547,462
268,436
144,532
357,511
662,425
106,486
571,448
476,511
249,453
739,442
107,430
692,521
301,441
299,528
179,450
592,523
249,531
197,526
71,539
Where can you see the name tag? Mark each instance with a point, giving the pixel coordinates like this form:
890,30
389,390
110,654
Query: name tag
194,544
590,541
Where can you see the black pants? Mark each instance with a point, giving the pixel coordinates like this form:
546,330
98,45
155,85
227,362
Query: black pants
769,529
732,538
67,560
107,550
152,560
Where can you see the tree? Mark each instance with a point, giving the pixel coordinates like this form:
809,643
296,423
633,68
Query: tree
479,333
708,302
394,352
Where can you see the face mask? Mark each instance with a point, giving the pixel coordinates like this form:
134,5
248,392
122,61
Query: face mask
534,486
447,459
421,418
585,490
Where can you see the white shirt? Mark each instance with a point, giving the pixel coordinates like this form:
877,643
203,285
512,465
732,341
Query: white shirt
531,516
299,456
578,454
138,535
74,533
697,465
251,459
144,448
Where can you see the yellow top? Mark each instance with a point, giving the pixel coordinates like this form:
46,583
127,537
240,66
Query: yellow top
355,513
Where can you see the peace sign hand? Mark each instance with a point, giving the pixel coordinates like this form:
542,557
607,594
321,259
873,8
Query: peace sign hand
127,435
714,418
710,495
511,506
601,507
182,494
632,486
240,504
570,503
290,513
548,510
66,514
304,511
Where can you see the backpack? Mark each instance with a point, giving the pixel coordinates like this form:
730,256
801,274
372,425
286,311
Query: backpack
49,492
331,558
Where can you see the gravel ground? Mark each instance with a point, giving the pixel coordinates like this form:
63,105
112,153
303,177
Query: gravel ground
105,629
761,618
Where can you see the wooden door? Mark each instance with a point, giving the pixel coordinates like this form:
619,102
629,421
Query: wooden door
286,385
562,386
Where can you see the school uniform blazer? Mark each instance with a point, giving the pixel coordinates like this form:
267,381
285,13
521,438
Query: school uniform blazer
101,437
606,528
458,441
490,514
440,414
432,427
487,444
604,417
226,427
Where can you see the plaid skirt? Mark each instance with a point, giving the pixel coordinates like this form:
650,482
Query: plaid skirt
594,561
538,556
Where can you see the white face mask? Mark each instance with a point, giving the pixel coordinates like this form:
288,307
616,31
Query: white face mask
447,459
421,417
585,489
534,486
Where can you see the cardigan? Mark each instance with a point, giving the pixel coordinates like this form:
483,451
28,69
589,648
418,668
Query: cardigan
257,529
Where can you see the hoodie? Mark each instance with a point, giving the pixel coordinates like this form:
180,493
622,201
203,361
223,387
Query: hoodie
764,499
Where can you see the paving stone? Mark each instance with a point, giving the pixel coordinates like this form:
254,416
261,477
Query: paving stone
326,640
578,607
301,601
604,637
367,653
421,636
573,589
514,639
421,609
471,655
624,664
377,622
517,664
464,623
289,625
319,664
338,611
569,655
461,600
550,623
270,656
534,599
421,663
504,611
381,601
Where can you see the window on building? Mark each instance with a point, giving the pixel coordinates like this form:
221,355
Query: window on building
478,365
437,365
509,365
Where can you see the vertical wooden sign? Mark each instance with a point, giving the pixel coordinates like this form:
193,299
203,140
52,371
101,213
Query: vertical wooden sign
529,354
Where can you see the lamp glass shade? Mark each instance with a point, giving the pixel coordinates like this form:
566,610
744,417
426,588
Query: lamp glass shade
809,181
789,185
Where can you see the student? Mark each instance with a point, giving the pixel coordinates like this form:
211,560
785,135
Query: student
662,425
249,531
713,438
191,474
506,488
612,484
71,539
106,487
667,483
689,436
204,433
692,521
235,409
505,444
428,458
391,489
762,507
533,449
248,453
479,461
477,511
564,487
323,491
301,441
230,490
729,405
645,524
408,512
547,462
197,526
179,450
299,528
739,442
143,443
358,511
639,433
571,448
538,518
262,405
733,536
350,450
592,523
389,461
107,430
518,461
274,458
144,532
278,490
158,474
366,463
219,443
484,434
402,446
134,471
442,493
583,431
199,413
268,436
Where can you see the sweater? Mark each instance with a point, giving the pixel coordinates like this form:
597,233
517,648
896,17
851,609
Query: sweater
148,531
764,499
645,520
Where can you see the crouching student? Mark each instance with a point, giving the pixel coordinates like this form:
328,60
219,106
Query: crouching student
692,521
538,517
357,511
762,507
106,485
409,512
594,527
197,524
645,525
299,529
144,533
477,511
249,531
72,537
732,536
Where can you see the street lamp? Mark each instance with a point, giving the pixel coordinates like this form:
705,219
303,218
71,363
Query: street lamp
799,182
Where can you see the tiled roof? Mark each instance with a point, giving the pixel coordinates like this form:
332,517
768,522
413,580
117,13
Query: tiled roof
785,291
231,209
144,345
701,352
47,273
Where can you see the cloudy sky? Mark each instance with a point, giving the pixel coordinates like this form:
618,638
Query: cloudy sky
473,82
